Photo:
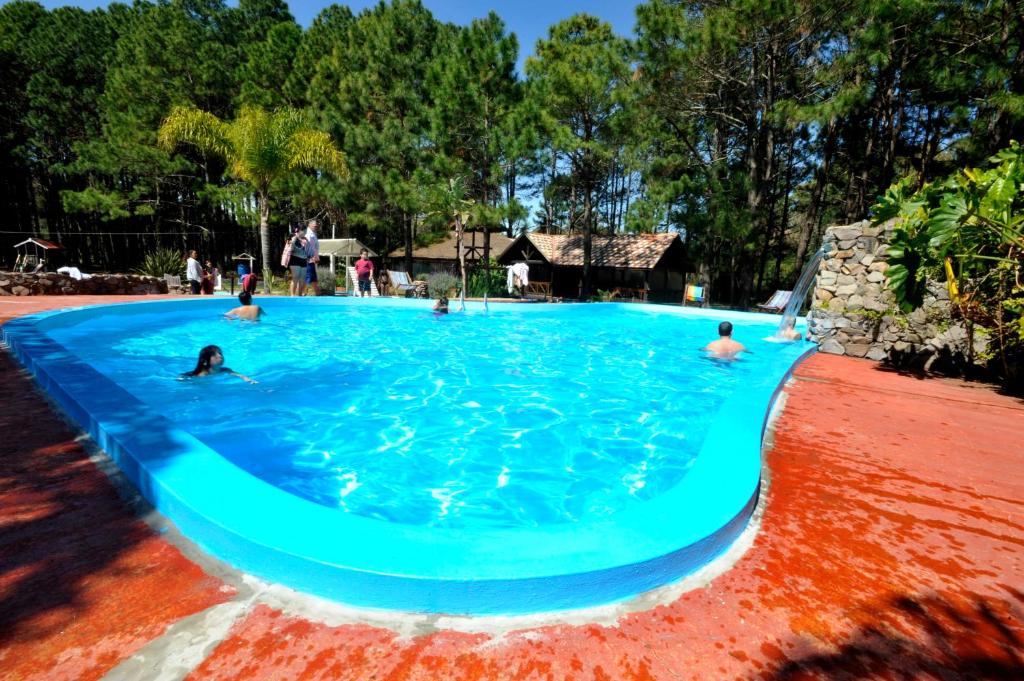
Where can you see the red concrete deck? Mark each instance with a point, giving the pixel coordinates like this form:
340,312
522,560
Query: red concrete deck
891,547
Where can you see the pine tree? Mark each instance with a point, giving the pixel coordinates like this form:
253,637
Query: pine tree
576,77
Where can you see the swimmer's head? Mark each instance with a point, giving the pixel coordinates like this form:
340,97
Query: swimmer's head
725,329
245,298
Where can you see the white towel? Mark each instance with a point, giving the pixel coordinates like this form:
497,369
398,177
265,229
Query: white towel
74,273
522,271
518,276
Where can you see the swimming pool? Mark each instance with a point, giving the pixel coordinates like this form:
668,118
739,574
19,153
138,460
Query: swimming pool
511,460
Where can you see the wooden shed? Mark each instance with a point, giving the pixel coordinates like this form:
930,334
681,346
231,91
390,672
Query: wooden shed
640,266
443,256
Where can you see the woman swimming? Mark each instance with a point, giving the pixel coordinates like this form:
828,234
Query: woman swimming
211,361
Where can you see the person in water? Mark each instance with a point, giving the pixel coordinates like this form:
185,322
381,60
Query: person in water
725,347
789,332
441,306
246,310
211,361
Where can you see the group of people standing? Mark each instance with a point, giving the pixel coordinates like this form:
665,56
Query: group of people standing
301,255
201,278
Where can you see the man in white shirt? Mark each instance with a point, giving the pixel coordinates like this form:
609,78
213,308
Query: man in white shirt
194,272
313,250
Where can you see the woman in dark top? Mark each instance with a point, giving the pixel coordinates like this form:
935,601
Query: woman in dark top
211,361
297,261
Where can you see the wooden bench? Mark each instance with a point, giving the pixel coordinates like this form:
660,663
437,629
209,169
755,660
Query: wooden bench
538,288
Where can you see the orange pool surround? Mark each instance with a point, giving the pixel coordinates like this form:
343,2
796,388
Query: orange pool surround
891,547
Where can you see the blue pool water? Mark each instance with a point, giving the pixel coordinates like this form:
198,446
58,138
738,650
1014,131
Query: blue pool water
520,418
519,459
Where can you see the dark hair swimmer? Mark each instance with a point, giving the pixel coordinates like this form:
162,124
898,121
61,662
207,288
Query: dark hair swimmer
725,347
211,361
246,310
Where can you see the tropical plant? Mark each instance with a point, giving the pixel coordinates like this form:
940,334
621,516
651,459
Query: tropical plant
162,261
488,280
450,202
259,148
969,230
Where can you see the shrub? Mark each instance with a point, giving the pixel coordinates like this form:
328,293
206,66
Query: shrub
439,283
162,261
325,281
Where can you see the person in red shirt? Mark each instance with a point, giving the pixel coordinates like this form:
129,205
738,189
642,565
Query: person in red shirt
364,273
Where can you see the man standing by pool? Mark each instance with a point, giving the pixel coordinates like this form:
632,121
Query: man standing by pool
313,250
194,273
725,347
364,273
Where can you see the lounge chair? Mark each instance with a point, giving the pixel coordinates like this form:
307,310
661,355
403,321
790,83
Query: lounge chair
778,302
694,294
403,285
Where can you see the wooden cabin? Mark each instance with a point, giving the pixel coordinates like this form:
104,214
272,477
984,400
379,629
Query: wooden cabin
634,266
443,256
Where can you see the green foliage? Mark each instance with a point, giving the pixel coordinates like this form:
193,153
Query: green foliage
746,126
259,148
493,282
969,229
162,261
440,283
577,78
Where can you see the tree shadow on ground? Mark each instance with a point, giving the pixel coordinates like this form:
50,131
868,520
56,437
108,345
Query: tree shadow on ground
926,637
943,364
61,520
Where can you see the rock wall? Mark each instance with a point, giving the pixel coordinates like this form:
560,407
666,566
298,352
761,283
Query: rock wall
51,284
853,313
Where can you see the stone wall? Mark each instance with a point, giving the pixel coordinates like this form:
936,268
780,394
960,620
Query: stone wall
853,313
49,283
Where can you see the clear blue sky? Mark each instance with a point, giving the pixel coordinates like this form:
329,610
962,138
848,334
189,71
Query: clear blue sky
528,19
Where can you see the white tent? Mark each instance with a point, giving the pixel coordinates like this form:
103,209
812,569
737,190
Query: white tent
342,249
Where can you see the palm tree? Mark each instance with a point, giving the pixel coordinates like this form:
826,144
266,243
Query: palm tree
259,147
451,203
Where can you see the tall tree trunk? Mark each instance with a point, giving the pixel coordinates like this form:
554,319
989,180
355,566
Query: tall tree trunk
408,235
780,245
265,240
817,193
587,245
460,245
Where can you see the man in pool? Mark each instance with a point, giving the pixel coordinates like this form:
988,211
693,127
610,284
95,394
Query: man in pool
725,347
246,310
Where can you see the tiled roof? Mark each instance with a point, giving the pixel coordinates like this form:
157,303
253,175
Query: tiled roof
445,250
636,251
